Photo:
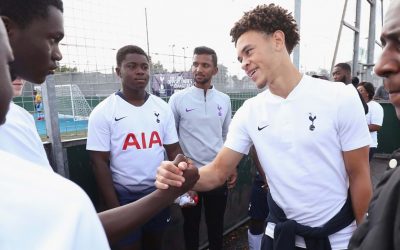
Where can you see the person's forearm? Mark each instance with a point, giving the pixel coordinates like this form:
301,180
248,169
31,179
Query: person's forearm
373,127
118,222
210,178
216,173
361,192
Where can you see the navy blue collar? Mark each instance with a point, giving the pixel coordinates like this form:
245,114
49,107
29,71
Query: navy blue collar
120,94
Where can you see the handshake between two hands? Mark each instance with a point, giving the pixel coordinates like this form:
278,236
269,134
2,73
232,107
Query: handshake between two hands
178,176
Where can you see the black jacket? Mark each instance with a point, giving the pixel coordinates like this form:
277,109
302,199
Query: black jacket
316,238
380,230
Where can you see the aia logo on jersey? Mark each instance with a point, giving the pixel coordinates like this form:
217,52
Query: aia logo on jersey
143,141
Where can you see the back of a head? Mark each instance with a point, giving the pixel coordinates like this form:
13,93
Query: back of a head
129,49
268,19
203,50
355,81
23,12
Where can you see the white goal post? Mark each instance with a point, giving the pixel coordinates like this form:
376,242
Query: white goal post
71,103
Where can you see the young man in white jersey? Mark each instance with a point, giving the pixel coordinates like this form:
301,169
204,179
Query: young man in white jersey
381,227
20,130
310,135
128,134
202,117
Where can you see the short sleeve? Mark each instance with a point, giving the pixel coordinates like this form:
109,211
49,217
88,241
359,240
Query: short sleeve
352,125
377,114
227,120
89,233
173,105
238,138
99,135
170,135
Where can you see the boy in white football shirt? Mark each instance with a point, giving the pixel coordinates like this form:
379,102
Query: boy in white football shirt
128,134
311,138
20,131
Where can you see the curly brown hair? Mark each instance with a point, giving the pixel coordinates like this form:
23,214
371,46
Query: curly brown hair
268,19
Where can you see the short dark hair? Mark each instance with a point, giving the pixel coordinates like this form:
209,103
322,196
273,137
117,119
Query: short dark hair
268,19
129,49
23,12
355,81
369,87
208,51
320,77
344,66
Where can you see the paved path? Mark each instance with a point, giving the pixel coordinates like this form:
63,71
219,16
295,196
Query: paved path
378,167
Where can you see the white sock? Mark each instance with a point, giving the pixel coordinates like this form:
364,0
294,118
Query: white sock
254,240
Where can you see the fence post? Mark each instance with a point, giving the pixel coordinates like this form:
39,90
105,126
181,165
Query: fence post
52,126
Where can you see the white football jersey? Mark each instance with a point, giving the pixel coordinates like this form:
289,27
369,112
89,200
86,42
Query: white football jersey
134,136
300,142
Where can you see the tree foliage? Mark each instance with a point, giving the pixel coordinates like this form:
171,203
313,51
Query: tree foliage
65,68
158,68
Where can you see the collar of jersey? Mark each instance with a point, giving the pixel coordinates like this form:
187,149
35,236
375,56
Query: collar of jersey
120,94
295,93
200,92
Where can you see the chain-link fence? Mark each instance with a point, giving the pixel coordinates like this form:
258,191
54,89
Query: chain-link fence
94,31
77,93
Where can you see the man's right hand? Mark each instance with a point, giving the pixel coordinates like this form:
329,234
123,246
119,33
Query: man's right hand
183,174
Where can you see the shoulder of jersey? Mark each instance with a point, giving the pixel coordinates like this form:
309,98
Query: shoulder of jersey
255,99
332,89
106,102
183,91
158,100
180,94
222,94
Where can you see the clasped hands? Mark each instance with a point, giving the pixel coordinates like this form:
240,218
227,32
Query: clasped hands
180,174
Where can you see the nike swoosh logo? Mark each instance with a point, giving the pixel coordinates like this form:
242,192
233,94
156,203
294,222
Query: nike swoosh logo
259,129
168,219
117,119
188,110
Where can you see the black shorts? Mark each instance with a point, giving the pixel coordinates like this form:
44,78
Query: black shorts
258,206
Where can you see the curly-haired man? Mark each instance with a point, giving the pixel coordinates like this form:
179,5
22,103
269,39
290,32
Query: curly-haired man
311,137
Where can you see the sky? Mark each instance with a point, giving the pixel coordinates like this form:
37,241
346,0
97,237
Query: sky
95,29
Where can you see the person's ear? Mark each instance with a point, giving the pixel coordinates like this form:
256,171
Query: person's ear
279,39
118,71
215,71
10,25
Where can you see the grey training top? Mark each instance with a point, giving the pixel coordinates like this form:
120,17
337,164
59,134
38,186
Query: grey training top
202,122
